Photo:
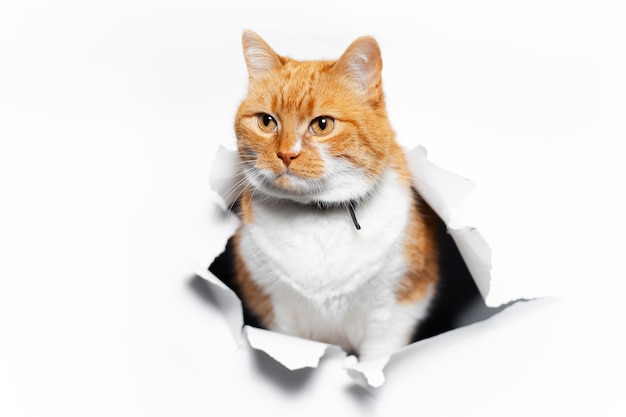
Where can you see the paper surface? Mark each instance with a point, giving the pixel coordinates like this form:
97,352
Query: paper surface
446,193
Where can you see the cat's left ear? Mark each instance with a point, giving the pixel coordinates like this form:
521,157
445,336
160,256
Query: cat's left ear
362,64
260,58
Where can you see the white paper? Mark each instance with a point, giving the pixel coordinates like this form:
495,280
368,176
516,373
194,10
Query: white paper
293,352
228,302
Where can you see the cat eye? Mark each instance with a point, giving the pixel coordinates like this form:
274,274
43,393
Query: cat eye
322,125
266,122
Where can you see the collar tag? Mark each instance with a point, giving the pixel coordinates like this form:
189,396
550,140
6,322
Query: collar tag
351,205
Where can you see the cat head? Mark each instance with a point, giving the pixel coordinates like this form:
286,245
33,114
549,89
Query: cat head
313,131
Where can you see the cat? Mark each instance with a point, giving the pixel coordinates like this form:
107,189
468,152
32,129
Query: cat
334,244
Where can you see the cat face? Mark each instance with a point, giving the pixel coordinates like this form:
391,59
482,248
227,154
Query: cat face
314,131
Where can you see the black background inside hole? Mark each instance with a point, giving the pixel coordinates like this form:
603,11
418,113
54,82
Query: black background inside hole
457,302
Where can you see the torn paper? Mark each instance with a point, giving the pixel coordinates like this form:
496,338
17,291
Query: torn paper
293,352
446,193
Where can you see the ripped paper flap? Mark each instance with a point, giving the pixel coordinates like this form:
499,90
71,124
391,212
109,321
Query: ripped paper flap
448,195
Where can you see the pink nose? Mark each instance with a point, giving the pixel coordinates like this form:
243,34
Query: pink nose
287,157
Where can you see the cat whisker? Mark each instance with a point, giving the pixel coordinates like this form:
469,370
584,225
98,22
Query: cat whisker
318,186
263,179
239,186
235,188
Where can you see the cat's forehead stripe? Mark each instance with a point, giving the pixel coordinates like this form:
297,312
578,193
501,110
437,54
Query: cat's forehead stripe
296,99
298,86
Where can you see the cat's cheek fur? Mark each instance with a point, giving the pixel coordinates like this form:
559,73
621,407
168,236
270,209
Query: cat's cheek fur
345,180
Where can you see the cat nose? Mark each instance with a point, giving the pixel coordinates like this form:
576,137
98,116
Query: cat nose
287,157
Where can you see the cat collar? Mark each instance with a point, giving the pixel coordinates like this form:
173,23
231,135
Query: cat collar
351,205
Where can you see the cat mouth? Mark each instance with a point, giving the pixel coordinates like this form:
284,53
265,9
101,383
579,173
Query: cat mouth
284,181
291,182
290,186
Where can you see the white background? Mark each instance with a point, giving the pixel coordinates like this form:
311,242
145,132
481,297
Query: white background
111,112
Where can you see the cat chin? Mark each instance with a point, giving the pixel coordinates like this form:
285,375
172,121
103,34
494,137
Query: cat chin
327,191
326,199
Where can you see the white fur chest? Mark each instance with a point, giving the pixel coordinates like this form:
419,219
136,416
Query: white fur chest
319,254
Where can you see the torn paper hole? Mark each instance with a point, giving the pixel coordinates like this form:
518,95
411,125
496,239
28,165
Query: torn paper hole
466,269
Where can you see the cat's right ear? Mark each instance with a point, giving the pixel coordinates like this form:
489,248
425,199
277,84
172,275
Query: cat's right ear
260,58
362,65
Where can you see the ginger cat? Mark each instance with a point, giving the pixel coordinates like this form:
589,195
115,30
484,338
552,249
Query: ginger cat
335,245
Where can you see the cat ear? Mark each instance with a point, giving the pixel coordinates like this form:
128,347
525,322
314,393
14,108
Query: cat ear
260,58
362,64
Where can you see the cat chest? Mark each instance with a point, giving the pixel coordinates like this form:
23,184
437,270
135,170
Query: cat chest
319,253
